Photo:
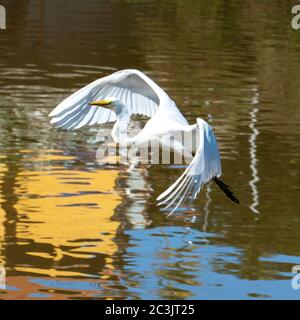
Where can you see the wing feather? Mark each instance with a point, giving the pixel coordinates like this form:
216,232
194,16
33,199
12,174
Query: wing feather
205,166
137,92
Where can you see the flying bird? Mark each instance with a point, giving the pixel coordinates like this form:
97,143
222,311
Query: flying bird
115,98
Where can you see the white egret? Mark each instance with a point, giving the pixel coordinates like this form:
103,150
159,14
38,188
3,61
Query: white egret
116,97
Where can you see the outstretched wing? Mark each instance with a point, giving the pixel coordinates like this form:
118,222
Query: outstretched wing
204,166
137,92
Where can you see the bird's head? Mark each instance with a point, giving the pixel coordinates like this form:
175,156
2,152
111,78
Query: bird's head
109,103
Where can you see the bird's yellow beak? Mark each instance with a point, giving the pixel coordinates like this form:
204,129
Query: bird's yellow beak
100,103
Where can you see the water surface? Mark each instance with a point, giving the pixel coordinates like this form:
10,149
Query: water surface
72,229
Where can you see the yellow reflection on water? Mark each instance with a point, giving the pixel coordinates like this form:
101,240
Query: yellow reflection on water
51,155
69,209
2,215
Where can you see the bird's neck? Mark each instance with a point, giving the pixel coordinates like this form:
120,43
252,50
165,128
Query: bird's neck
119,131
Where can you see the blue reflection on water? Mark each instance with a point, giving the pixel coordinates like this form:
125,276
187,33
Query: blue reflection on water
39,295
66,285
174,258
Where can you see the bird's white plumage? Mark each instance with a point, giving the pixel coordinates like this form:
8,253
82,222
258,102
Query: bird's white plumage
138,94
204,166
136,91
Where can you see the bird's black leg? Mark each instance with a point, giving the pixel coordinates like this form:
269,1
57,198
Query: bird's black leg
226,189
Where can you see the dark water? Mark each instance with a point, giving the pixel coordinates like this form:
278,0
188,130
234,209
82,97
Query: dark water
70,228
